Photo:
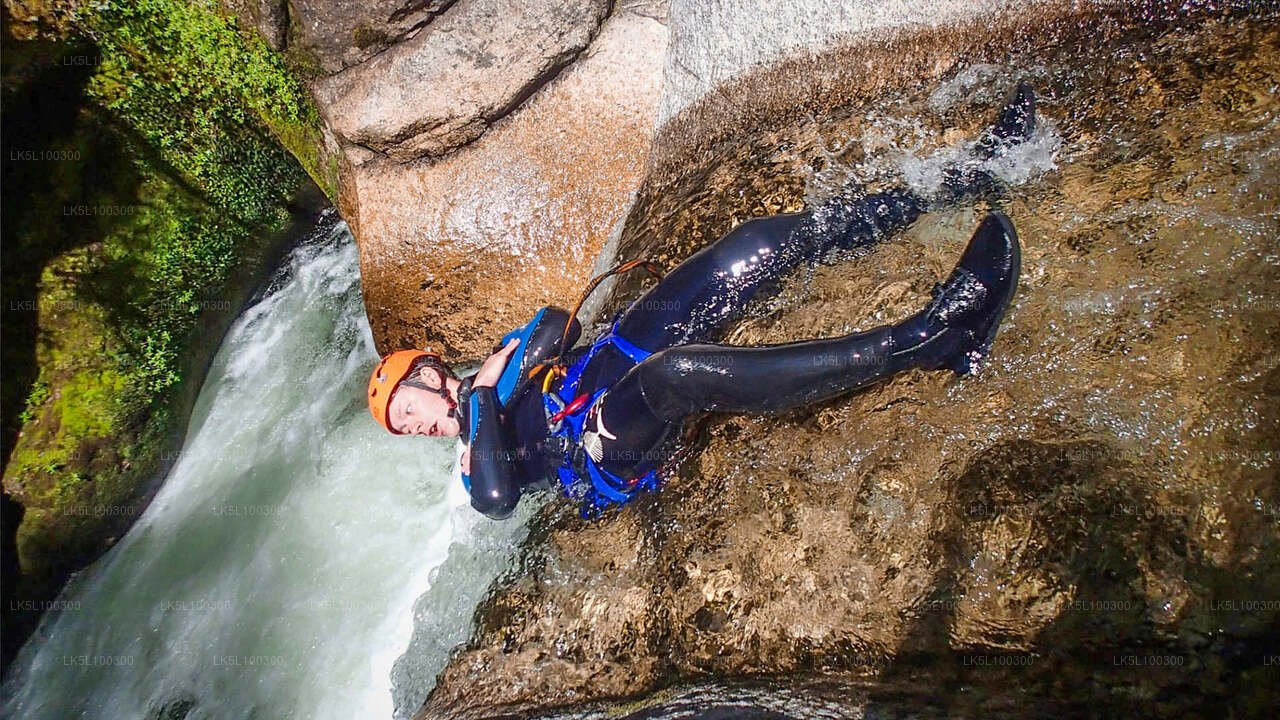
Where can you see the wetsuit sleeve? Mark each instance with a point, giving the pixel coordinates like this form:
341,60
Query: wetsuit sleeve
540,341
495,480
546,334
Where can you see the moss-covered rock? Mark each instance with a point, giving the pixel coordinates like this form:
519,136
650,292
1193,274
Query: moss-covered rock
146,194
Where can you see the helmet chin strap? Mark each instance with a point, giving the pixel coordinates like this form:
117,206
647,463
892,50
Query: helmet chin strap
442,391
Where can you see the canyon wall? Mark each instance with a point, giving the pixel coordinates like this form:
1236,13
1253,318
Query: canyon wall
484,151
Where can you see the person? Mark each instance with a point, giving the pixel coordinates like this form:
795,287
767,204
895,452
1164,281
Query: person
595,420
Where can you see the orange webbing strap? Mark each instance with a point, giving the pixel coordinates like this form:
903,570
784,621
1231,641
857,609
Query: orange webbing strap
591,286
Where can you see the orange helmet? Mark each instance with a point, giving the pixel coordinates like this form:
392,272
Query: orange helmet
387,376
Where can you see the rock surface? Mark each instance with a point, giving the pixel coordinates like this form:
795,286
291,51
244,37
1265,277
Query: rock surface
1103,490
485,157
716,41
441,88
269,17
337,34
455,251
29,19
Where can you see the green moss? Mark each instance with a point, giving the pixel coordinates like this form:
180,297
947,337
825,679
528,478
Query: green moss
184,71
39,394
180,127
364,36
86,406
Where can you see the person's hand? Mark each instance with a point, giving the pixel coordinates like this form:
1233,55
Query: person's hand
492,368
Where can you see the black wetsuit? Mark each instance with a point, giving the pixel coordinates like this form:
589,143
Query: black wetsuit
637,404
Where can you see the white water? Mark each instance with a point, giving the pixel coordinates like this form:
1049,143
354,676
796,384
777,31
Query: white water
275,573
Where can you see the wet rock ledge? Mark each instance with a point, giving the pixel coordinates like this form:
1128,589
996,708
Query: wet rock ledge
1089,519
484,150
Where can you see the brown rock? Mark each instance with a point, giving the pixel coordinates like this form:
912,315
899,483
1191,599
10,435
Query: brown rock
455,251
336,34
1073,500
29,19
442,87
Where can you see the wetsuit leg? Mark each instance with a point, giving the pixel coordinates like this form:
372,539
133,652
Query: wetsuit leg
957,327
701,295
710,288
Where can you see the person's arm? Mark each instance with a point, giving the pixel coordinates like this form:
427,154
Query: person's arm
494,478
495,482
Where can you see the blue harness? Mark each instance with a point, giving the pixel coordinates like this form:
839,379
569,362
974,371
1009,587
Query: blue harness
600,488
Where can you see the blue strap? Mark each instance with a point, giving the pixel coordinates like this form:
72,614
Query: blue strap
571,428
474,402
602,486
636,353
573,375
471,435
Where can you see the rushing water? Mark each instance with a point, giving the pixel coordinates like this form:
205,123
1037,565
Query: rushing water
274,574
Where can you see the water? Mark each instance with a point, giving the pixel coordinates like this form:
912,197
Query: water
274,574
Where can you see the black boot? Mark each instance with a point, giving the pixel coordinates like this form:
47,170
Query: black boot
968,306
1015,124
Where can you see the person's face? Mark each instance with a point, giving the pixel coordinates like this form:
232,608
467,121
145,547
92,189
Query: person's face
414,411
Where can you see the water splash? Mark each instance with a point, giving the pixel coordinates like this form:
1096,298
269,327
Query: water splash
1018,164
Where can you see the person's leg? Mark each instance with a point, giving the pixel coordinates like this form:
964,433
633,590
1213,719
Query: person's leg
711,287
953,331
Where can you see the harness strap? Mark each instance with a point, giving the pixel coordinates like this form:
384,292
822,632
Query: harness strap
442,391
566,408
636,353
603,486
567,413
595,282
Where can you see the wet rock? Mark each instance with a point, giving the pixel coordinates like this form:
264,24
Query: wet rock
485,157
455,250
442,87
715,41
336,34
31,19
1082,504
269,17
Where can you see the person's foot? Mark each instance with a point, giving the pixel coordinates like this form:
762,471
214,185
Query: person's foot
969,305
1015,125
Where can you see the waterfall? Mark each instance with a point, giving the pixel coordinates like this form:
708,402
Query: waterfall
275,573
